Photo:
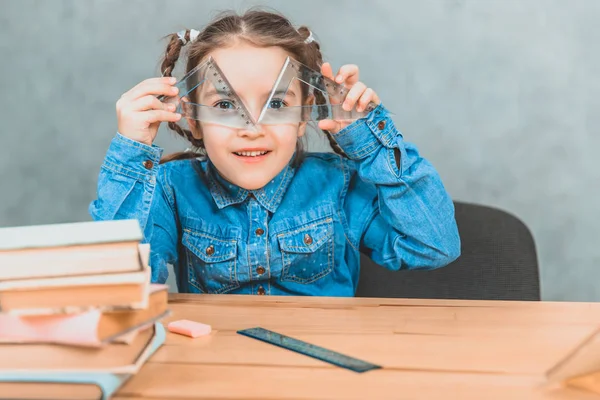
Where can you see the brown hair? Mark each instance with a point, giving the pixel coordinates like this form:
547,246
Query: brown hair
260,28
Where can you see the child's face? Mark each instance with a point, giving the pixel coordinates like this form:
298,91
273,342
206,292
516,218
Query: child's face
251,71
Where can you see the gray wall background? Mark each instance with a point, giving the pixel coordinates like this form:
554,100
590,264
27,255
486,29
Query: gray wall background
501,95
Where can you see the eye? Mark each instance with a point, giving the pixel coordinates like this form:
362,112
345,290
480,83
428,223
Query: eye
224,104
277,103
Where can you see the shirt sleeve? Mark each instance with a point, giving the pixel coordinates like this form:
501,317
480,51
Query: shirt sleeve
132,185
397,209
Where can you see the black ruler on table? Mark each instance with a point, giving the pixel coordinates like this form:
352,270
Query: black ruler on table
308,349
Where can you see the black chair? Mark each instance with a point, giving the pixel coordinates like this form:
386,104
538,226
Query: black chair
498,261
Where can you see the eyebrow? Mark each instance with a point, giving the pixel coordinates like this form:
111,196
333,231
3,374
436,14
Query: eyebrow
221,92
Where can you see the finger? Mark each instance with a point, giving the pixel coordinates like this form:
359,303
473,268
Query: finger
353,96
348,74
154,86
327,71
151,103
370,98
329,125
160,116
367,96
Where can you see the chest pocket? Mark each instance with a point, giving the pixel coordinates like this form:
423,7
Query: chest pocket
307,252
211,262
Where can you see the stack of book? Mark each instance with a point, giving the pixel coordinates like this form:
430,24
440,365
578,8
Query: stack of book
78,314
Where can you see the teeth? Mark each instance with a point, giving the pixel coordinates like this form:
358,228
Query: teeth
250,153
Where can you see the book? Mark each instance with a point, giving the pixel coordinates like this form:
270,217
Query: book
40,358
83,387
89,328
60,250
74,294
80,384
66,295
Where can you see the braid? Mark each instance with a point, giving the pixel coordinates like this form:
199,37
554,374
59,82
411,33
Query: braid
172,53
171,56
314,54
334,145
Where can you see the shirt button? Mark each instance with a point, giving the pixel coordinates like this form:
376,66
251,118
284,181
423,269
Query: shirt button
148,164
259,231
210,250
261,291
260,269
307,239
381,125
251,196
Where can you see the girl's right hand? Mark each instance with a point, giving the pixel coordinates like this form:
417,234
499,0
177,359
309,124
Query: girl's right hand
140,112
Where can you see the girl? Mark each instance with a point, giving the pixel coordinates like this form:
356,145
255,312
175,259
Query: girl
248,212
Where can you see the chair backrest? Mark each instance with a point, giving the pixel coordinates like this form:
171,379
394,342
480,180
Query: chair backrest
498,261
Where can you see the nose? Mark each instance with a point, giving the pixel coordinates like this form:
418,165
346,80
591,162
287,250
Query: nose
252,131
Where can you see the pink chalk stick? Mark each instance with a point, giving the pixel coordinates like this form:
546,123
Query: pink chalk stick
189,328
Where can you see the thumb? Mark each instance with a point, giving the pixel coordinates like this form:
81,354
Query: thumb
329,125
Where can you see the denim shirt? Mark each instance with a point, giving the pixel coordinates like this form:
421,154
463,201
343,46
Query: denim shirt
301,234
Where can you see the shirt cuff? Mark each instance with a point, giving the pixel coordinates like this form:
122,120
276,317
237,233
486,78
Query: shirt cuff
131,158
363,137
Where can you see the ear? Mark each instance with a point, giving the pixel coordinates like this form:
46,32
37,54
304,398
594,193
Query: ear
194,128
310,99
301,129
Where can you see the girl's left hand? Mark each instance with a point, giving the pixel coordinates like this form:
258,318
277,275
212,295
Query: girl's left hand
359,94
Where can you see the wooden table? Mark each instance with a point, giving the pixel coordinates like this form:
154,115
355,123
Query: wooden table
429,349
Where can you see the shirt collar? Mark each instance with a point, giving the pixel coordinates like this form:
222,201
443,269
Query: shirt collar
226,193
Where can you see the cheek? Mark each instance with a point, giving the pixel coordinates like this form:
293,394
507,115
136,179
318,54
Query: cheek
286,136
216,137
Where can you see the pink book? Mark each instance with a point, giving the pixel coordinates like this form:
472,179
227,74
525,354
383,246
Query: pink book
90,328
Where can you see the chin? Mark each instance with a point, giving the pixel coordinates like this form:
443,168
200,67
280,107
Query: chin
253,185
251,181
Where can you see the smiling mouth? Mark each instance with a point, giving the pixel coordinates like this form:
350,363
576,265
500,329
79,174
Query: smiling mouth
251,153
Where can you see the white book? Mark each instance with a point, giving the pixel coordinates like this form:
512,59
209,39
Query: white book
59,250
69,234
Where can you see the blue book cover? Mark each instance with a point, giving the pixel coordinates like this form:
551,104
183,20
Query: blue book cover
108,383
